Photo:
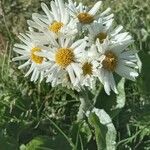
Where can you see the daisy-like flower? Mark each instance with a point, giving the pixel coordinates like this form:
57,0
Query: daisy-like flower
57,21
116,58
64,81
89,69
83,16
27,50
63,60
99,31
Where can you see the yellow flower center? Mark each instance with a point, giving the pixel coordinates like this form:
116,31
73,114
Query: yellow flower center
110,61
35,58
101,36
85,18
56,26
87,68
64,57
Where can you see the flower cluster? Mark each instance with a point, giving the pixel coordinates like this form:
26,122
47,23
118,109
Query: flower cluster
74,46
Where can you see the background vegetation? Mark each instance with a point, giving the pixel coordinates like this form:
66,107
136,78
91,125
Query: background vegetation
36,114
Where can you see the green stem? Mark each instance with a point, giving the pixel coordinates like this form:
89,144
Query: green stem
86,104
65,136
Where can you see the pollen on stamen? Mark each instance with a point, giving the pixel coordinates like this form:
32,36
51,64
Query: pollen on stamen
35,58
101,36
87,68
56,26
85,18
64,57
110,61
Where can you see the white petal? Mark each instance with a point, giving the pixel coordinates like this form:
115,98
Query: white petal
105,12
24,65
25,57
108,17
47,12
33,74
49,55
128,53
67,42
129,64
71,74
77,70
41,76
34,25
106,82
80,48
66,18
52,69
72,8
77,43
95,8
108,25
27,42
22,52
121,36
30,70
99,47
27,38
81,7
55,11
43,18
21,46
101,75
61,41
63,12
118,48
45,66
36,76
112,83
61,6
126,72
38,21
117,30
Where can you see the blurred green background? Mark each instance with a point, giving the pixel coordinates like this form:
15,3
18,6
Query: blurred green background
24,105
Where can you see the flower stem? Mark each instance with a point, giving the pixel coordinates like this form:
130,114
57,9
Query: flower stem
86,104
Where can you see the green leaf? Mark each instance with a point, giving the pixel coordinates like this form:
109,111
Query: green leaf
105,132
47,143
114,102
143,81
8,143
100,131
81,134
121,96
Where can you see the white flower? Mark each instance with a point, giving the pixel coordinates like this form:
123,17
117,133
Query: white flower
64,81
89,68
63,60
99,31
116,58
27,51
57,21
84,16
57,49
